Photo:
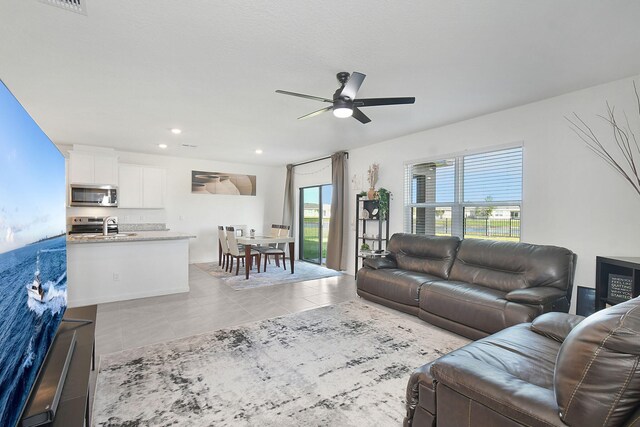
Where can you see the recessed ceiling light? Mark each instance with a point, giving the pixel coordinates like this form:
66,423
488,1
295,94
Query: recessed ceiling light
258,151
163,146
176,131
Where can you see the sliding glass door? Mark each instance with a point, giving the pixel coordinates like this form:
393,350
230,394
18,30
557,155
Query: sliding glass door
315,212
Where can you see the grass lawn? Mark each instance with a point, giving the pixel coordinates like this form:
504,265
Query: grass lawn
310,248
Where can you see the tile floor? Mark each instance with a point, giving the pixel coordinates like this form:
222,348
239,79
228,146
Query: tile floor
212,305
209,305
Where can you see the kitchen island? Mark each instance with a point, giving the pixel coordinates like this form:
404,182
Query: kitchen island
126,266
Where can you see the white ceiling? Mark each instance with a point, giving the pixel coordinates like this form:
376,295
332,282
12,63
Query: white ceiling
126,73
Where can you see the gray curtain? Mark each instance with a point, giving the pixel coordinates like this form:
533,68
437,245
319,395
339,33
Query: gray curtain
288,213
336,243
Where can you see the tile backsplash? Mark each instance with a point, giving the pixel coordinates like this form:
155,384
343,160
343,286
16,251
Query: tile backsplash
138,217
128,227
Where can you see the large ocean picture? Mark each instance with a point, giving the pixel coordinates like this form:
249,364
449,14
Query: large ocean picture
33,255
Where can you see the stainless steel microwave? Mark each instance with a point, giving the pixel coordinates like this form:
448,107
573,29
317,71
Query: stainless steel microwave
94,195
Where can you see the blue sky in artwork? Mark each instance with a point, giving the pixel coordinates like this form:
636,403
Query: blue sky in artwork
32,178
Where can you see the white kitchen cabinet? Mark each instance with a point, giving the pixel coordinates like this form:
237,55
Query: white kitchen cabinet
99,273
152,187
130,188
141,187
80,168
91,168
105,170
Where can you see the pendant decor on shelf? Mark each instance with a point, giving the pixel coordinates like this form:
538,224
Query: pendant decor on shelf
372,179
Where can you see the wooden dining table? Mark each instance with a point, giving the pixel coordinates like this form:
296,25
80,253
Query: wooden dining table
248,242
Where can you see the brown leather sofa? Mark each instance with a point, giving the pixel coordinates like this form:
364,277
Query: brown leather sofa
559,370
471,287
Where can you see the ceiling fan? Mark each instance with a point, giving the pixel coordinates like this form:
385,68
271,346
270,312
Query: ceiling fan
344,102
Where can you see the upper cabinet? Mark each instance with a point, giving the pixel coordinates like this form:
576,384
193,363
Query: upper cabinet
86,167
130,190
153,187
141,187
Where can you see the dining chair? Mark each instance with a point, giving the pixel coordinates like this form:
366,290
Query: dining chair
237,253
223,256
277,250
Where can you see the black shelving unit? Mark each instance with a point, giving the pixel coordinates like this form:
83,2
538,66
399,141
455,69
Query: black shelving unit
621,272
371,225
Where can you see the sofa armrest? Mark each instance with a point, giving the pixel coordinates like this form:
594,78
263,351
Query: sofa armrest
421,391
555,325
536,296
519,400
379,263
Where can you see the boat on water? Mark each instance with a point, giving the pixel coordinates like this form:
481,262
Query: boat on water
35,290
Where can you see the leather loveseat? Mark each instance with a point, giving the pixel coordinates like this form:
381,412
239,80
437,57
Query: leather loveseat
471,287
559,370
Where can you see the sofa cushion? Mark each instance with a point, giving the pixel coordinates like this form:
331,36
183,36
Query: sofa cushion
400,286
510,372
476,306
507,266
424,254
597,375
555,325
379,262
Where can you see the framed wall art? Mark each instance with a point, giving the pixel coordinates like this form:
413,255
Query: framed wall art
223,183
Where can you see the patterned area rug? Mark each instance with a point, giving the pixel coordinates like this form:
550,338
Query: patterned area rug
341,365
273,276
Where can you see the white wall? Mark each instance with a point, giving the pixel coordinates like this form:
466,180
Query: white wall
200,214
571,198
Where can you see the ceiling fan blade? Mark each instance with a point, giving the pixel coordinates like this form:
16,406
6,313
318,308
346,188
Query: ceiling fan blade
316,113
360,116
371,102
300,95
353,84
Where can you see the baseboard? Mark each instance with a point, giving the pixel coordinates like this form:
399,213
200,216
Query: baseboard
125,297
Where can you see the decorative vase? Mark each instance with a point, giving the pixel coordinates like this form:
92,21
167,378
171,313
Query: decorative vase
371,194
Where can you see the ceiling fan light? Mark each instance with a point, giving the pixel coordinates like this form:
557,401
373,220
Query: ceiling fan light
342,112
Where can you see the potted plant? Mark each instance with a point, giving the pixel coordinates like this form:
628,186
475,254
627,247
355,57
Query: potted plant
383,197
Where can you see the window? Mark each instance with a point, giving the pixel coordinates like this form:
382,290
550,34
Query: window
471,196
315,213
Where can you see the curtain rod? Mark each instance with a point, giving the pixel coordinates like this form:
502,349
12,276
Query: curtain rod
317,160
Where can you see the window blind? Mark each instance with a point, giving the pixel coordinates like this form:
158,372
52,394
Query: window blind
493,177
476,195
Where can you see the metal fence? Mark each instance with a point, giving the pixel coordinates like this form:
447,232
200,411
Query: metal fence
483,227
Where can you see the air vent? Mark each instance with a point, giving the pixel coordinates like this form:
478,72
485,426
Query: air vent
77,6
189,146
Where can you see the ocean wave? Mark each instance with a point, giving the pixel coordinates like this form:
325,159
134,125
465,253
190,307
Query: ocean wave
30,356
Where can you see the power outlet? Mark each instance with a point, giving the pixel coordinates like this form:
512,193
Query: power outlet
116,277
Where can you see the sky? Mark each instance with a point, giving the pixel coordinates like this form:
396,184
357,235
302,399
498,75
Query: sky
495,176
32,178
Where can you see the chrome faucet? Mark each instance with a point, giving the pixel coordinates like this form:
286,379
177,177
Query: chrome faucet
105,224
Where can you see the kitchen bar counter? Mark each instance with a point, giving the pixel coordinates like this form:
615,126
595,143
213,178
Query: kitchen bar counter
137,236
147,264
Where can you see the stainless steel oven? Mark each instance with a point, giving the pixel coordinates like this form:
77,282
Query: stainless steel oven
92,224
94,195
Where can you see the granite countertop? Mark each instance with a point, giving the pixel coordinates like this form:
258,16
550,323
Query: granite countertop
138,236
